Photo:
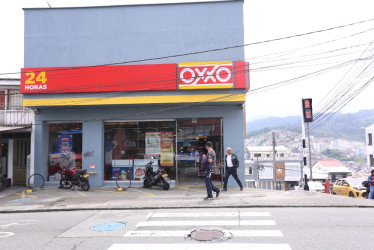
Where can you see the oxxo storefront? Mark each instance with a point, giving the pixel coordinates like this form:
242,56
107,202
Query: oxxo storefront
115,118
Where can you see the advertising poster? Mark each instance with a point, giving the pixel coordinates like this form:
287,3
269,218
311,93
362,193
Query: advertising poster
167,149
65,143
152,143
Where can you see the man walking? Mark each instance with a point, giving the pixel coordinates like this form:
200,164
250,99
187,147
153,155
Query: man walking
231,164
211,161
371,184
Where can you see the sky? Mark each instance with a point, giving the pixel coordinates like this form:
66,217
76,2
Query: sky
271,62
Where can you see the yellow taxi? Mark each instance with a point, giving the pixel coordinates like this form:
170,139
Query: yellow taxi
351,187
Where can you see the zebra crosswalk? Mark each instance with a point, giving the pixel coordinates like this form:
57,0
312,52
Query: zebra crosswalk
243,228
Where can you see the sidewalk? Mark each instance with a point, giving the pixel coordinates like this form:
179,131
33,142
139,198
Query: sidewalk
15,199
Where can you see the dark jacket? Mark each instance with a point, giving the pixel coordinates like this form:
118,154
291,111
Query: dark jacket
234,160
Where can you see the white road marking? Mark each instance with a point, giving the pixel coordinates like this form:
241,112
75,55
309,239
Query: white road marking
6,234
221,214
199,246
184,233
206,223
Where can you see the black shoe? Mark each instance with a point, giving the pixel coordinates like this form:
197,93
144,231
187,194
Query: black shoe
224,189
208,198
241,188
217,193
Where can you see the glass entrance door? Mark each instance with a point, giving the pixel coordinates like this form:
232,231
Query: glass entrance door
192,135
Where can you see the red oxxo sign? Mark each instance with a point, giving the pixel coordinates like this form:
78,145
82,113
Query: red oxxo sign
148,77
205,75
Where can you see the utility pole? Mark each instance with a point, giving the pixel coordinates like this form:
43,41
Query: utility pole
274,169
307,118
310,153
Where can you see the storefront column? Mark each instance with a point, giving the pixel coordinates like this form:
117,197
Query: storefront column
39,149
233,136
93,151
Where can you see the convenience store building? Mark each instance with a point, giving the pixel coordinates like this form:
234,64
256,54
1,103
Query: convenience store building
113,86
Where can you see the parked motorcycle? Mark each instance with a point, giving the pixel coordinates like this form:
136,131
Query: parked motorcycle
80,179
71,177
67,176
366,193
155,178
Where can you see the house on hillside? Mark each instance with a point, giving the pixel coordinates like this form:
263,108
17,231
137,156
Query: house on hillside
333,168
264,153
369,131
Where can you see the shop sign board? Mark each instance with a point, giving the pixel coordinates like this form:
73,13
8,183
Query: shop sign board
148,77
205,75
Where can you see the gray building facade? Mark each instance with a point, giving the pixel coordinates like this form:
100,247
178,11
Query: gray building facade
97,134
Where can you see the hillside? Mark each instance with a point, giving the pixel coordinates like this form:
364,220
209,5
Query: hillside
350,126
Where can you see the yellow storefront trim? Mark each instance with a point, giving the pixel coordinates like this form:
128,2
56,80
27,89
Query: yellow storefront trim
133,100
221,86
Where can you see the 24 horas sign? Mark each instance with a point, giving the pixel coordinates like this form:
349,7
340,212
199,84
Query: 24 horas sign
149,77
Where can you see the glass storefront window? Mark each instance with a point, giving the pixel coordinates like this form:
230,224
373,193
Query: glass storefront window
65,148
129,146
191,138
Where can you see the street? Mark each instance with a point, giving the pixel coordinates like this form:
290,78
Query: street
254,228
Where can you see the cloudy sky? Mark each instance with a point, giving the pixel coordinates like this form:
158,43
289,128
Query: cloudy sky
331,66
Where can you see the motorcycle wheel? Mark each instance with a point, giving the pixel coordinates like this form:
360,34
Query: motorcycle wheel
85,185
146,184
66,183
166,185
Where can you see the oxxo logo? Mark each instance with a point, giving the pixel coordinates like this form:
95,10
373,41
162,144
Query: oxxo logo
205,74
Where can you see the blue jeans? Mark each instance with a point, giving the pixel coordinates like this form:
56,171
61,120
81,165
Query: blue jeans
371,191
209,185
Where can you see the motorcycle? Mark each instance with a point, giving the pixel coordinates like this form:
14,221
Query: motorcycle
155,178
71,177
80,179
67,176
366,193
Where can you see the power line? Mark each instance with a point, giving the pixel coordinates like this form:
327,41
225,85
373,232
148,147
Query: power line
213,50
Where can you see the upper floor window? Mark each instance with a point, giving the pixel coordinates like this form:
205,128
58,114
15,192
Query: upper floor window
14,99
10,99
370,135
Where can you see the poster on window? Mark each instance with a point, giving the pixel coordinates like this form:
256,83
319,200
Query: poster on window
152,143
65,143
167,149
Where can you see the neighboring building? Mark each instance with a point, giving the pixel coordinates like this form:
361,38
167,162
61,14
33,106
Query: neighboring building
114,118
333,168
264,153
260,174
369,134
15,132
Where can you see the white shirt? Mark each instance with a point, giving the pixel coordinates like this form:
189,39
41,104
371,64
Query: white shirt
229,161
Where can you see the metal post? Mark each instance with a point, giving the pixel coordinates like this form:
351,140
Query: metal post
274,170
310,153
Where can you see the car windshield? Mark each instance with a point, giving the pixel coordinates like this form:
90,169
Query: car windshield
353,181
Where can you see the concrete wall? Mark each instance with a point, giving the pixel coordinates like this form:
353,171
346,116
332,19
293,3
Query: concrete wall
101,35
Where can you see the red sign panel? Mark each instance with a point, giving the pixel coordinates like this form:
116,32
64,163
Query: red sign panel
149,77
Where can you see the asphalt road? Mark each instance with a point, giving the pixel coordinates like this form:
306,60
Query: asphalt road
255,228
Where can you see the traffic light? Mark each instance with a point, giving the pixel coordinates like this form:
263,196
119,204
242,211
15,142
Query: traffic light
307,110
